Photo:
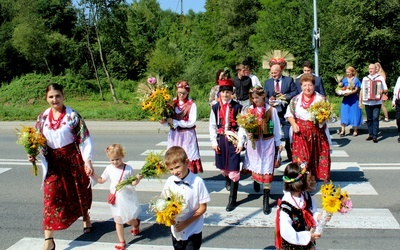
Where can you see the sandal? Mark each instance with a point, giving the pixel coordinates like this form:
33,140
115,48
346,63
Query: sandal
121,246
355,134
341,134
136,230
386,119
87,229
54,244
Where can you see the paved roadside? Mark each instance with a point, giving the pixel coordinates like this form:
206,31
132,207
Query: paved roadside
146,126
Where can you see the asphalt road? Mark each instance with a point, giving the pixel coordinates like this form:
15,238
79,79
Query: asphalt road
21,201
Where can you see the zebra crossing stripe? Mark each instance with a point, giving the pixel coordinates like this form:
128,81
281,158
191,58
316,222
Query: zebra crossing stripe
335,153
209,166
217,216
245,187
37,244
2,170
208,144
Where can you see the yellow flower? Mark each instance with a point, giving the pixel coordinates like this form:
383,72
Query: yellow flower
175,204
331,204
32,141
345,195
321,111
158,104
327,188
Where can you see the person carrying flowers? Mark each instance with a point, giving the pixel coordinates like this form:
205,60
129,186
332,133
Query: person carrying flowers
261,159
187,227
126,206
296,216
227,137
308,113
182,132
67,165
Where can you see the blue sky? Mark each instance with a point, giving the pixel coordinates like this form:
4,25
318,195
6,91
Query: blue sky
175,5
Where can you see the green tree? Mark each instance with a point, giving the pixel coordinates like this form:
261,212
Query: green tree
363,34
144,18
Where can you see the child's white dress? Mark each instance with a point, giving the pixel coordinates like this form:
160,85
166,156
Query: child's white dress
127,206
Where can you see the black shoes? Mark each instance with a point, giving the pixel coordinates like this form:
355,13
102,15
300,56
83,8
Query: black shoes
266,208
398,139
374,139
256,186
54,244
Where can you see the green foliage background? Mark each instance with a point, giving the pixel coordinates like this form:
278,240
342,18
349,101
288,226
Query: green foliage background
124,42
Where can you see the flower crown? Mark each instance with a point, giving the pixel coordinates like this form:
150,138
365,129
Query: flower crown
303,170
257,89
183,85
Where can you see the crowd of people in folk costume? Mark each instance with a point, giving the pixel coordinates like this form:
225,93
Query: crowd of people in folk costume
281,104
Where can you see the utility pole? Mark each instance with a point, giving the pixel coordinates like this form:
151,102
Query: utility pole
181,7
315,38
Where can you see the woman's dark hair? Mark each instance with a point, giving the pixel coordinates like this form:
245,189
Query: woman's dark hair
55,86
292,171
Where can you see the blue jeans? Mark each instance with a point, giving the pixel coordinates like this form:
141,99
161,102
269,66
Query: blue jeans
372,112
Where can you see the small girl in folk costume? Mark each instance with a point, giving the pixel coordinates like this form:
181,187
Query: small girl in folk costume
296,216
183,133
227,138
126,208
261,160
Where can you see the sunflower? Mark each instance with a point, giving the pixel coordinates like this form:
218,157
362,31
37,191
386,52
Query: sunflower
327,188
344,196
331,204
174,206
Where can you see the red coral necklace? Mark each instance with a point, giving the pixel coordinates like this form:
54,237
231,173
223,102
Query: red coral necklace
55,123
306,104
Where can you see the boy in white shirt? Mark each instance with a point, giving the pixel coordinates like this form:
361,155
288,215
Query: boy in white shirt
187,232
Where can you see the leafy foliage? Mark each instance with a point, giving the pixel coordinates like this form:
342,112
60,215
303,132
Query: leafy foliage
122,42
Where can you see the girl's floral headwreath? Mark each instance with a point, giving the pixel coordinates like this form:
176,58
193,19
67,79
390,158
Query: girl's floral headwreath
183,85
303,170
258,90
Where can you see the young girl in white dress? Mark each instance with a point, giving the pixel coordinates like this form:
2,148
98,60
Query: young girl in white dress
261,159
126,208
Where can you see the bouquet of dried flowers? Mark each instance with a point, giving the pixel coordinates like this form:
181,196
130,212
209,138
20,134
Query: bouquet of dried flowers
32,141
249,121
333,200
168,208
321,112
153,167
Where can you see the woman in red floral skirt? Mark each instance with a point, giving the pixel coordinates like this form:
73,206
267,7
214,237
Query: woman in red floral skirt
311,142
66,163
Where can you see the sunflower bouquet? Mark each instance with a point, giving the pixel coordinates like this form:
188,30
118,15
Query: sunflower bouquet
159,104
156,99
333,200
153,167
168,208
249,121
321,112
32,141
